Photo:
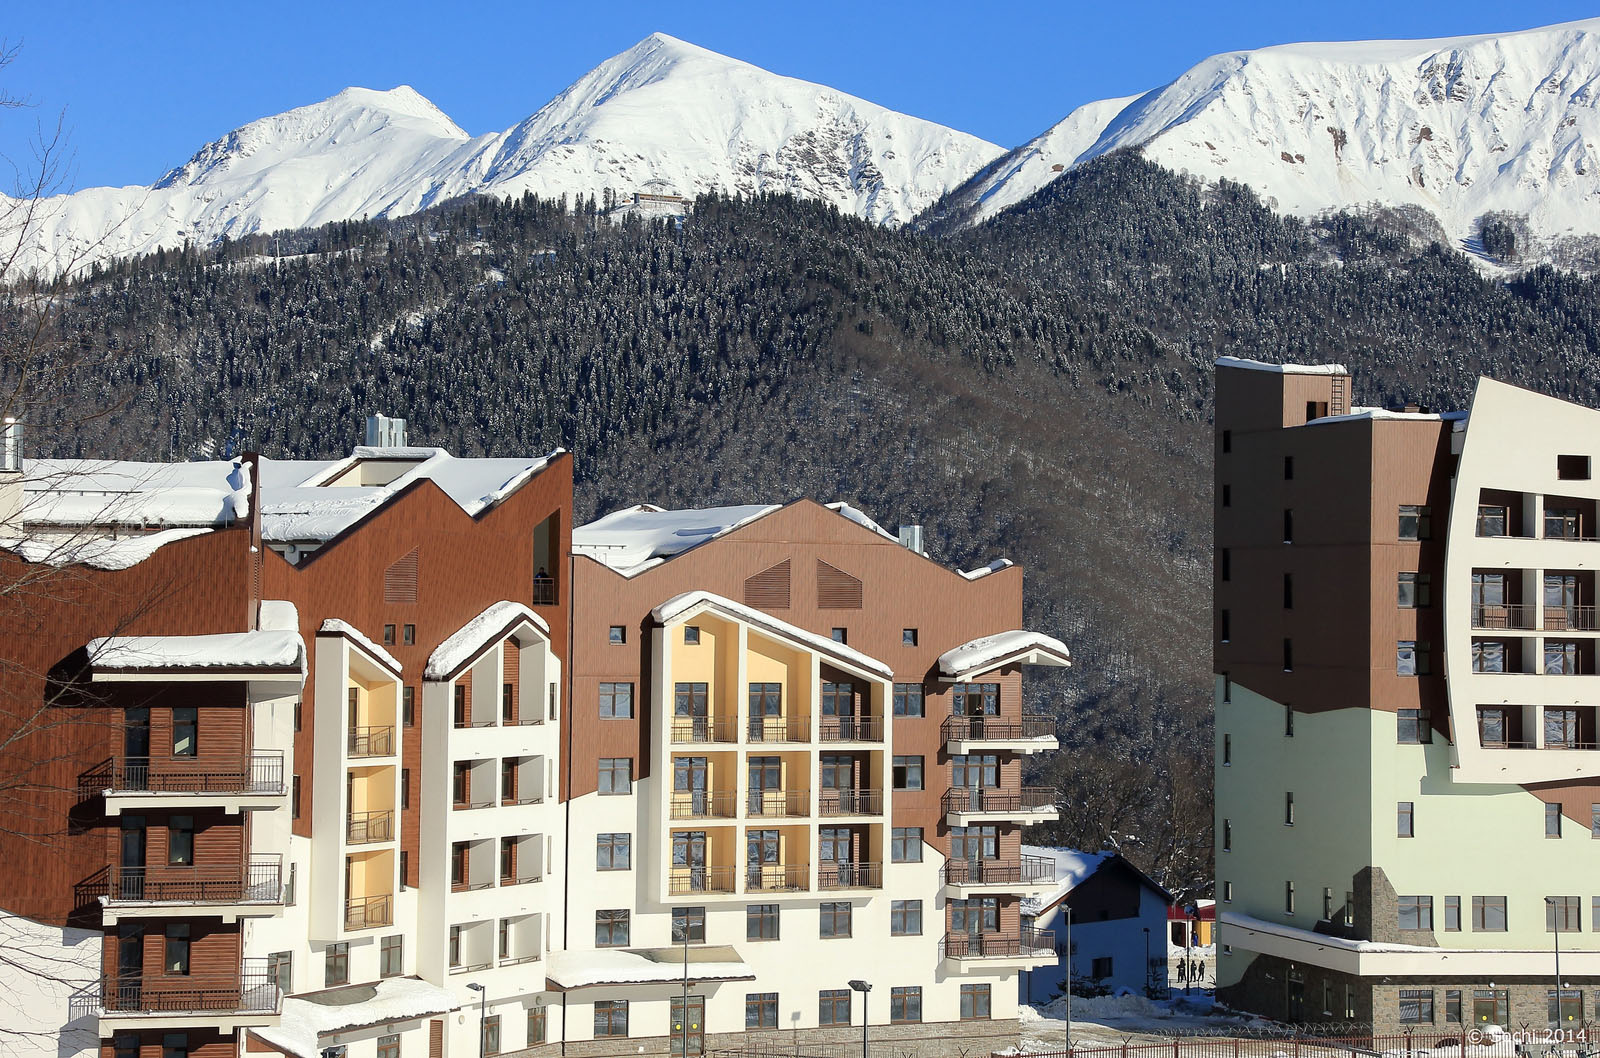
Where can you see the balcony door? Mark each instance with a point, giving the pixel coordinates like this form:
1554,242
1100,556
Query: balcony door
761,853
691,704
766,704
972,845
839,707
130,965
766,776
688,1026
976,918
689,783
834,851
1561,600
130,876
689,857
974,773
136,750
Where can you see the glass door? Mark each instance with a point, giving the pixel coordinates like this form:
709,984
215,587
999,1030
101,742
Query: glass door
761,858
689,857
766,786
689,784
688,1025
839,709
691,705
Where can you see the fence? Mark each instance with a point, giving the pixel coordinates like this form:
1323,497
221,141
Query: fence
1344,1041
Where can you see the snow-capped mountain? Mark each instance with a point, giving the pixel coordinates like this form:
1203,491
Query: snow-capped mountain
664,113
1460,127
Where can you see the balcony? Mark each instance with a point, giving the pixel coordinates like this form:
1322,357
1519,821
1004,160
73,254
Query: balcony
700,730
850,803
364,828
371,742
1504,616
703,804
700,880
260,881
972,734
770,804
226,1000
1000,875
1571,619
522,879
1031,804
778,878
1026,944
835,875
779,729
255,781
367,912
851,729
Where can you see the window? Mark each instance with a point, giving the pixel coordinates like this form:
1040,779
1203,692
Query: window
1288,468
1288,720
1488,655
405,868
1227,751
616,775
761,922
1565,1011
1227,835
691,635
1288,809
1288,898
1405,823
124,1046
1452,1006
460,719
299,713
974,1002
1415,590
1489,914
1227,440
1415,912
1288,525
1416,522
908,637
1562,914
1227,892
833,1006
613,852
611,928
1227,495
616,635
905,918
388,635
760,1010
280,970
1452,914
1225,625
175,1045
1572,468
389,1046
1327,912
905,1005
405,788
1560,657
906,845
408,635
835,920
455,946
1491,1005
908,699
185,731
1288,654
1416,1006
392,956
1594,820
1227,689
1349,908
1412,727
1288,591
461,783
491,1034
841,635
1552,821
610,1017
408,706
538,1025
1411,658
907,773
180,841
689,923
616,701
336,964
1227,564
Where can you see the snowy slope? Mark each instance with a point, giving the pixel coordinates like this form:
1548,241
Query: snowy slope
663,110
1460,126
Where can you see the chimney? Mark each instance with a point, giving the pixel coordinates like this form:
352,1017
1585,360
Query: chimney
10,475
911,538
384,432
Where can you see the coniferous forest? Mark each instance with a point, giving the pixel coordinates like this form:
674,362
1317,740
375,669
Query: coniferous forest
1037,388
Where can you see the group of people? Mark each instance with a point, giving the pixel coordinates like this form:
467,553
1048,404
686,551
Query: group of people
1191,970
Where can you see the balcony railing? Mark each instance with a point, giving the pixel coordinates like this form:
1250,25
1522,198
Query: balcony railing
702,804
701,729
361,828
469,803
251,990
848,802
997,728
851,729
1571,619
778,803
700,880
1030,870
777,877
260,881
779,729
544,593
518,960
371,741
261,773
1022,944
525,799
990,799
522,879
365,912
1498,616
834,875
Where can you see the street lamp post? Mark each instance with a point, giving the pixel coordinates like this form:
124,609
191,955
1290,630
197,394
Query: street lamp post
1147,986
1068,908
483,1006
1555,931
1193,911
683,1013
863,987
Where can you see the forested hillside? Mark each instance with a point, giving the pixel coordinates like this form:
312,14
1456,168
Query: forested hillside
1038,388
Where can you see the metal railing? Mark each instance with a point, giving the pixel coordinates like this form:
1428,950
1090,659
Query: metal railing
530,799
462,723
544,593
702,804
777,877
779,729
992,799
365,912
1025,943
835,875
361,828
259,881
848,802
1030,870
371,741
700,880
1571,619
250,990
518,960
851,729
469,804
700,729
778,803
997,728
261,773
1499,615
1569,743
526,879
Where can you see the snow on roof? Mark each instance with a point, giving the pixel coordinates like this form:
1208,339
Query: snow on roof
1373,414
988,652
471,638
97,552
635,539
275,651
277,615
1234,918
983,571
613,966
306,1019
855,515
334,626
122,492
1282,369
681,604
1072,867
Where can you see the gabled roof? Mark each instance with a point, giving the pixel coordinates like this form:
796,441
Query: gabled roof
468,642
679,606
344,629
1073,868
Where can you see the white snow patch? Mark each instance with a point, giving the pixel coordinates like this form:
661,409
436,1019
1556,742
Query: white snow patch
1282,369
222,650
468,640
123,492
393,999
334,626
96,552
983,571
277,615
1072,867
986,652
681,604
1388,415
580,969
635,539
859,518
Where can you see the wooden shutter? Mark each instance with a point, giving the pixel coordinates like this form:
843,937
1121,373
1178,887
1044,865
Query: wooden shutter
435,1039
769,589
400,581
836,589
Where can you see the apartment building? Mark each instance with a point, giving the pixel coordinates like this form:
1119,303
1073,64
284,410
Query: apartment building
378,757
1407,781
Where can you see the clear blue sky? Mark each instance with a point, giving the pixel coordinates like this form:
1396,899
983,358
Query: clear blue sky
145,84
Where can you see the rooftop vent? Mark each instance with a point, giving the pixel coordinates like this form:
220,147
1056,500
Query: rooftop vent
911,538
11,447
384,432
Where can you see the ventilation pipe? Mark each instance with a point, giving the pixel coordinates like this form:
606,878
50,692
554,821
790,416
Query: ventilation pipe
911,538
384,432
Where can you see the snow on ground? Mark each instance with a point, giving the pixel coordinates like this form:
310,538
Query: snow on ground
1127,1018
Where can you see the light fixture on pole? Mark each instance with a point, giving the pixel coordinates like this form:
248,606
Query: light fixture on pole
1555,931
863,987
483,1006
683,1012
1147,986
1068,909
